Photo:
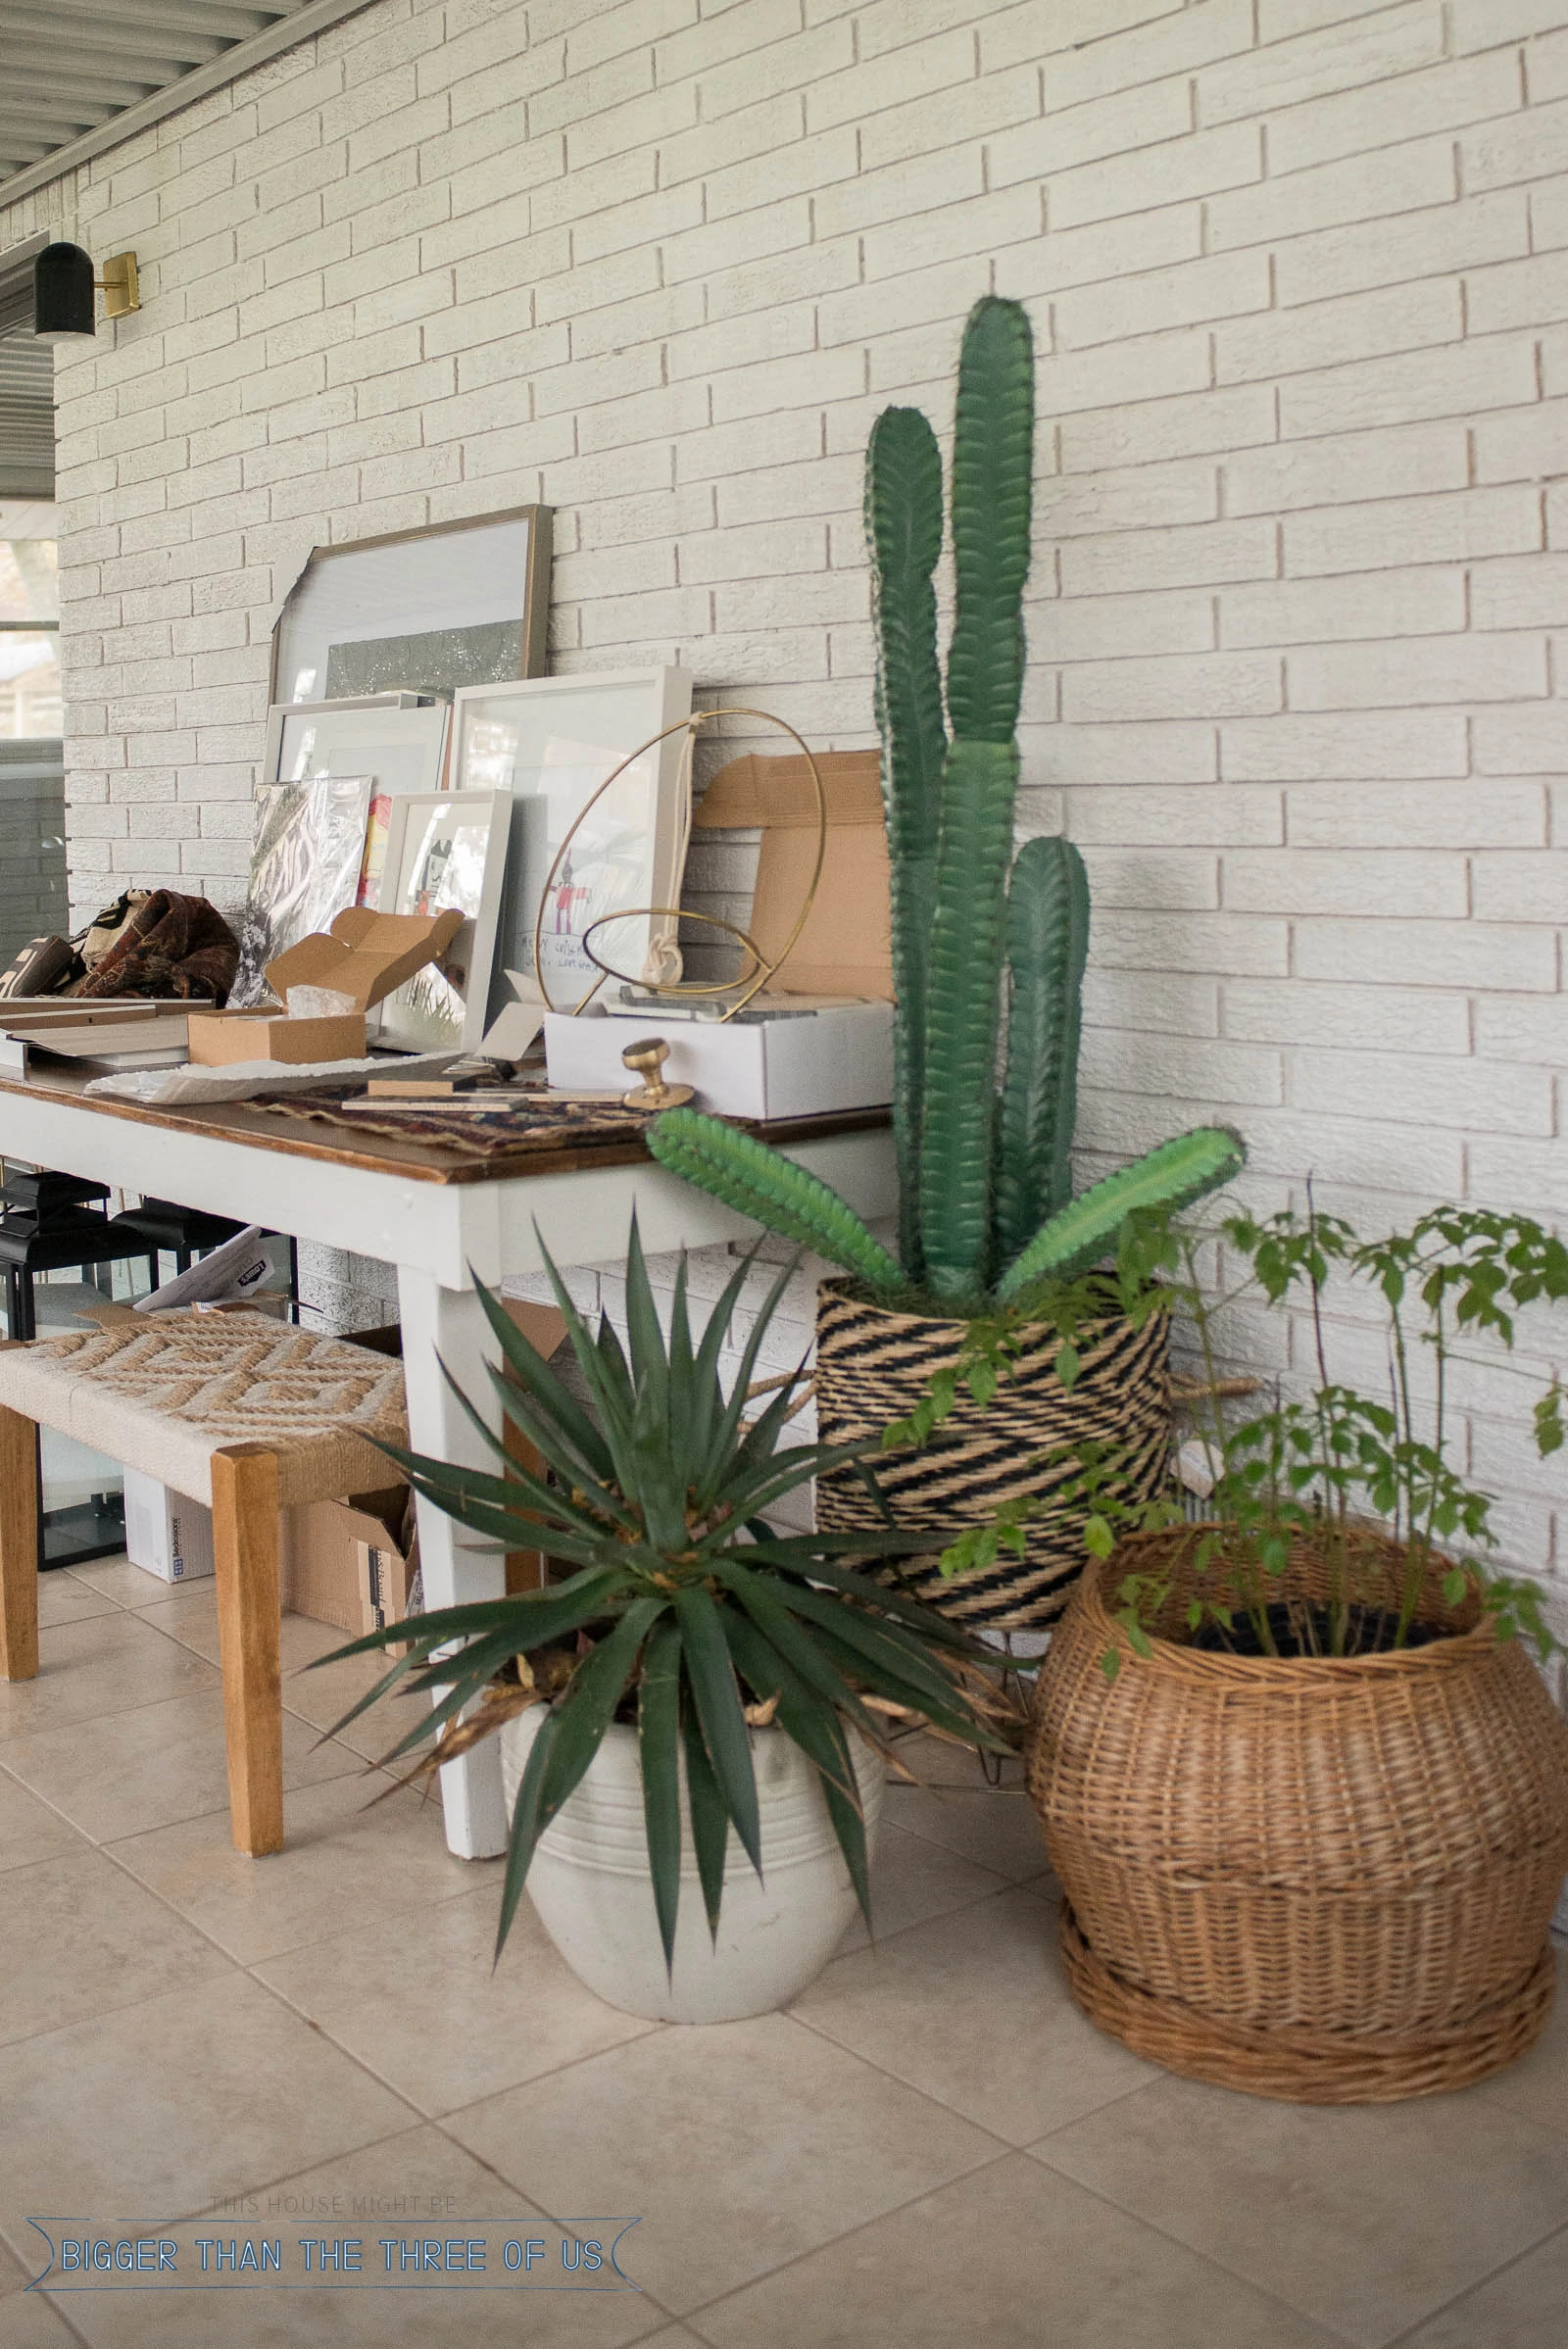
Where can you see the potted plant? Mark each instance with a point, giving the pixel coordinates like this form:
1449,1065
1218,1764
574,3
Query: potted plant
694,1673
990,1240
1306,1790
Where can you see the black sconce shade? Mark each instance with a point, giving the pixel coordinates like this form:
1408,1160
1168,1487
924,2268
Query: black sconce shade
62,293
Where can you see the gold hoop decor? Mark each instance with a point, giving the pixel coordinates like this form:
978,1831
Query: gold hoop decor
764,970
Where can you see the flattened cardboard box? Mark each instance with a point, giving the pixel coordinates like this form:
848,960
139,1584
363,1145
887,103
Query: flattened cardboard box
846,947
364,955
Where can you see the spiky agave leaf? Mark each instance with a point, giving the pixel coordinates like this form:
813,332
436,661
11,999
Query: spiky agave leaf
1174,1176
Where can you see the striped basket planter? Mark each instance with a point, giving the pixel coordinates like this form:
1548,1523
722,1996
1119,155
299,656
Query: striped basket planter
872,1367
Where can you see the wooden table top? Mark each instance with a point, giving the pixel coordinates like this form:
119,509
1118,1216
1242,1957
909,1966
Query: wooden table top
419,1162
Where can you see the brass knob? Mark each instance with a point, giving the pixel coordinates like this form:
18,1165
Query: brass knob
647,1059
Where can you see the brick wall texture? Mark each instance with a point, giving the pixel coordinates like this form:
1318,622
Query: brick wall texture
1299,617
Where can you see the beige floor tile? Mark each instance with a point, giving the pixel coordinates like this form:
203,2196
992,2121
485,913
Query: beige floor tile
348,1861
1367,2219
913,1880
185,1611
740,2146
973,2010
416,1999
994,1827
79,1938
1538,2084
1525,2307
319,1698
29,2320
119,1580
63,1600
131,1772
994,2261
417,2184
155,2111
29,1830
108,1664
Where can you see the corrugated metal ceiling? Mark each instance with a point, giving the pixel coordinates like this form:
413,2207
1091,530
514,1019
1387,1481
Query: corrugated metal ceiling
69,67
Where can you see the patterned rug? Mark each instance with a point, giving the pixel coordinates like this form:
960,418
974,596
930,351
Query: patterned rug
515,1121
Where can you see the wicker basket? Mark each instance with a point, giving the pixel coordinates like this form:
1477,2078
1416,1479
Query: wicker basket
872,1367
1324,1880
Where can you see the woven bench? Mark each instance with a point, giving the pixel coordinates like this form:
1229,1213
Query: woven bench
236,1411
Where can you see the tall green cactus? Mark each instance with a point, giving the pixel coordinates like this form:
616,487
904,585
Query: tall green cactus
903,529
987,1215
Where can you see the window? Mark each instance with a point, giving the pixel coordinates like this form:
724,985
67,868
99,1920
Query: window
29,622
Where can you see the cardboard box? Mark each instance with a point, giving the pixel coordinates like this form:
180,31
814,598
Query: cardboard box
165,1532
326,1550
346,1563
364,955
799,1067
839,1057
846,947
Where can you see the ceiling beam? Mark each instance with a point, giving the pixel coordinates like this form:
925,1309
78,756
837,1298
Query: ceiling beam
166,49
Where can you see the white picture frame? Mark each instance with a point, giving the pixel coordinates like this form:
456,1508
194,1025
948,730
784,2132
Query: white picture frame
445,1006
548,742
424,609
397,739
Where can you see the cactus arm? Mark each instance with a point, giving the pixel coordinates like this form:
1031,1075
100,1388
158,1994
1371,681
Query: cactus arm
747,1175
993,470
1170,1177
903,532
963,981
1047,942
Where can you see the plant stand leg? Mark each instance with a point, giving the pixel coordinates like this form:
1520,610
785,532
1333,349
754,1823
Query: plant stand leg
19,1547
245,1557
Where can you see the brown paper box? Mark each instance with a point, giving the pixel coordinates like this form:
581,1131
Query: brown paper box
845,945
341,1560
364,955
322,1573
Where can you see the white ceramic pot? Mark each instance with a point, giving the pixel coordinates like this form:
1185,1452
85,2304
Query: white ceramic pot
591,1884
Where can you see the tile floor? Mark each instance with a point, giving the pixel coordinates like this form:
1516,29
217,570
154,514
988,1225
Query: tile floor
932,2149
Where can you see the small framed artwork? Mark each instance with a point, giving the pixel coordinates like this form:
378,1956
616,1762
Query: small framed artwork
549,742
306,865
394,737
417,611
445,849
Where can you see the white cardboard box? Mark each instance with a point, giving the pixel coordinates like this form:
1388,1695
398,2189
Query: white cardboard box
797,1066
165,1532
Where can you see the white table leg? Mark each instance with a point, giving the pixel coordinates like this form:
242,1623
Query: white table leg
450,1324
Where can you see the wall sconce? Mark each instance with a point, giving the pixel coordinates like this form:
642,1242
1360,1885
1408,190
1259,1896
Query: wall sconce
63,287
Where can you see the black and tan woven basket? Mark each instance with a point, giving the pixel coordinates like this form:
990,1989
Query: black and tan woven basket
872,1367
1326,1880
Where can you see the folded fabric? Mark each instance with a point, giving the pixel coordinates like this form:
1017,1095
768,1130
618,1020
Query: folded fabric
168,945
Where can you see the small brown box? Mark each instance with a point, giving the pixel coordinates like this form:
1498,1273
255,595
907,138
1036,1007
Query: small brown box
364,955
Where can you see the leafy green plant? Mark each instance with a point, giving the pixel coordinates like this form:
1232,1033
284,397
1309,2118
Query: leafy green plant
986,1213
1339,1469
681,1605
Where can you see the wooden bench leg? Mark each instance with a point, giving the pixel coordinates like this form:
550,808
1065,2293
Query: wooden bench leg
19,1546
245,1555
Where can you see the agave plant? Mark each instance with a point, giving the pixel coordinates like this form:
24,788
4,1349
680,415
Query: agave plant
681,1601
986,1211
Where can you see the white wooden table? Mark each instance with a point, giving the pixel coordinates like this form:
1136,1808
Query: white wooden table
442,1223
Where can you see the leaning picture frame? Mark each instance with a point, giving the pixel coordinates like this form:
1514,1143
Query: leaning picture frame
423,610
399,738
549,742
445,849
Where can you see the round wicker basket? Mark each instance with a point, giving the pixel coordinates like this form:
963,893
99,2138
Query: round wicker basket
1324,1880
872,1367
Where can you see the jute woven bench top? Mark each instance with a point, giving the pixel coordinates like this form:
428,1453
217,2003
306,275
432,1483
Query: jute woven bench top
165,1391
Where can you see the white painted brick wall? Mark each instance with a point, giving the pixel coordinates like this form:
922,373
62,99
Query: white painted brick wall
1298,620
